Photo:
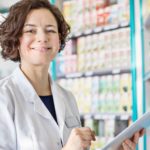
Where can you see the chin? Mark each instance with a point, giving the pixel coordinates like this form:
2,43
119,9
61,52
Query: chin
41,63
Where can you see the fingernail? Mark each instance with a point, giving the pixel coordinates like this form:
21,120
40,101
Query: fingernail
123,144
127,142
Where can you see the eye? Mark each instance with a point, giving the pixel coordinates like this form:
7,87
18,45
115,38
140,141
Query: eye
30,31
51,31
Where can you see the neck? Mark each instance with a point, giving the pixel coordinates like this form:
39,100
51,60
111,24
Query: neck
39,78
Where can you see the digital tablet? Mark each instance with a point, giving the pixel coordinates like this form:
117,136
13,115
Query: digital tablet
142,122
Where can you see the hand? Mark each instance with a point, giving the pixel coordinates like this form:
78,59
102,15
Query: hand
80,139
130,144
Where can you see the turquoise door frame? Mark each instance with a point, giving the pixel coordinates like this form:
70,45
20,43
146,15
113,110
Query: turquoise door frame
133,62
143,54
53,1
53,64
143,66
3,10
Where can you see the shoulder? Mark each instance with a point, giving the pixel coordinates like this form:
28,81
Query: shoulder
69,100
65,92
68,97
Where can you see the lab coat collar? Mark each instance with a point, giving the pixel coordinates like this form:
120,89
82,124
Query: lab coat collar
59,102
30,95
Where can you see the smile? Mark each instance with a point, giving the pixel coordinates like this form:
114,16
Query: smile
41,49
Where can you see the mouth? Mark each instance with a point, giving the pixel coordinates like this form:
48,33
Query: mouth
41,49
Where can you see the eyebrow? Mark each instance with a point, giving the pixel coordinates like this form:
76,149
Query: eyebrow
32,25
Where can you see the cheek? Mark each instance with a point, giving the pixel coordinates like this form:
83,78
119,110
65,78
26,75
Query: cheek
24,42
24,47
56,42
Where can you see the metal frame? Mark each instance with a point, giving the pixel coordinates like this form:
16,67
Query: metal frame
143,66
53,64
53,1
133,61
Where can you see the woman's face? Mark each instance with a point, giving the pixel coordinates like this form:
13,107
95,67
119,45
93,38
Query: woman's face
39,42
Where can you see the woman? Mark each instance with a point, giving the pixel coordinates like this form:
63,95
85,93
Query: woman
35,112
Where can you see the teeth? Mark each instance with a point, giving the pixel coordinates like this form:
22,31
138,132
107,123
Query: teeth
41,49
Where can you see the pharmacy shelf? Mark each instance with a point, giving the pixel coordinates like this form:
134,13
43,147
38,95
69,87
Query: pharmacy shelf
147,76
105,116
95,73
99,30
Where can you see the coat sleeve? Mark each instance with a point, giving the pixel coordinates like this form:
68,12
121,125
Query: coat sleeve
7,127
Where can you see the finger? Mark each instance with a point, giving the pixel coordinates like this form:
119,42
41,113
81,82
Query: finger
86,144
93,134
142,132
125,146
87,137
85,128
130,144
87,132
136,137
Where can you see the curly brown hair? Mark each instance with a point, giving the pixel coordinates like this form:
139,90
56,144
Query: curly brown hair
11,28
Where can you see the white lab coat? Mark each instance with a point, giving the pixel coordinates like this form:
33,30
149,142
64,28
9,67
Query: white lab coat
25,122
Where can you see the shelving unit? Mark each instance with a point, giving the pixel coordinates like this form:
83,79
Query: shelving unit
98,30
105,116
102,85
95,73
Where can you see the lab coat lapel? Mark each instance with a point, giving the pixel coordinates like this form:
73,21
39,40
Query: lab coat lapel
31,96
59,103
40,108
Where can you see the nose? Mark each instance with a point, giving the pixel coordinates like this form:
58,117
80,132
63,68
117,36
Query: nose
42,37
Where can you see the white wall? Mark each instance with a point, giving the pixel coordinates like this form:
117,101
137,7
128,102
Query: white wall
7,3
